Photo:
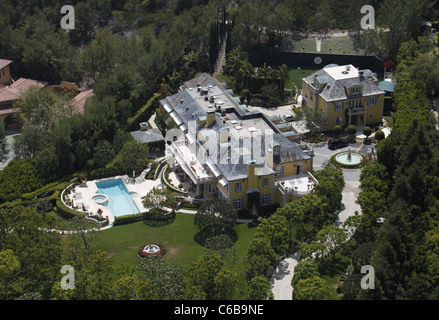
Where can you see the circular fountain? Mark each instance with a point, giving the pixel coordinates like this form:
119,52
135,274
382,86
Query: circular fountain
151,249
348,159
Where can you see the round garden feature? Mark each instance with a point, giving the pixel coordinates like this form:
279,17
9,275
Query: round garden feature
152,250
348,159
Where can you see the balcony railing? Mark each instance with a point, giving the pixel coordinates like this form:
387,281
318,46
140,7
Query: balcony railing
289,188
358,110
188,168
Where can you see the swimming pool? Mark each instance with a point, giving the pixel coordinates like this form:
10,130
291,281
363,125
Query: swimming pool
120,202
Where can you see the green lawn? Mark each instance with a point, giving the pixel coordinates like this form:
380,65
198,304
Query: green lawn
296,76
339,45
122,242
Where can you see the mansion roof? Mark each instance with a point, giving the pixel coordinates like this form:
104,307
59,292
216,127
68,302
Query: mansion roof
205,96
337,79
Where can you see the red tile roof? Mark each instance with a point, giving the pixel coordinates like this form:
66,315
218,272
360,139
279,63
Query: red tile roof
12,92
4,63
78,102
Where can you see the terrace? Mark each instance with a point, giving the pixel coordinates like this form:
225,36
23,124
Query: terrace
188,161
297,185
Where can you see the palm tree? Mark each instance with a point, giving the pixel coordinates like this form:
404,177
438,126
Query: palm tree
246,72
284,75
265,72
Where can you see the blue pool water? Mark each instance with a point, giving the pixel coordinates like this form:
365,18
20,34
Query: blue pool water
119,201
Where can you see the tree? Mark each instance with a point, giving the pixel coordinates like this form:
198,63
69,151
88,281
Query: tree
425,69
314,250
367,131
103,154
211,276
133,155
314,288
274,229
9,268
317,210
32,139
294,214
259,259
330,188
84,230
379,135
102,54
351,130
47,163
314,119
259,288
17,178
158,198
38,251
303,270
223,245
332,237
41,107
166,279
215,215
3,145
337,130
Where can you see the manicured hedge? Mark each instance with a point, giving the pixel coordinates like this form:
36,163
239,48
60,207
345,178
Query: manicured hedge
105,173
142,114
149,215
65,212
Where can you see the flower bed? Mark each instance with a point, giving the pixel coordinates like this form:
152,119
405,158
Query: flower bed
144,254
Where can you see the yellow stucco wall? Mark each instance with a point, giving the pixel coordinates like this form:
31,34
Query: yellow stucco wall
374,113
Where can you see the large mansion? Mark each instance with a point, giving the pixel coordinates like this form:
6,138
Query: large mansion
225,150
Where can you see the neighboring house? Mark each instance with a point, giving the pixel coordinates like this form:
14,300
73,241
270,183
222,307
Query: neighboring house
8,96
5,74
11,90
78,102
346,95
229,152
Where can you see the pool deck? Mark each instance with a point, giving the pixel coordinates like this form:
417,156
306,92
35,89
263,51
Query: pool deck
83,194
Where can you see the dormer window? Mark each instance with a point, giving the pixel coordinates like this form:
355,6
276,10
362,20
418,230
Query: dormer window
355,90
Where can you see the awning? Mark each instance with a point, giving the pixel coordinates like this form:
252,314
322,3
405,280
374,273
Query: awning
223,182
212,167
190,138
176,119
167,107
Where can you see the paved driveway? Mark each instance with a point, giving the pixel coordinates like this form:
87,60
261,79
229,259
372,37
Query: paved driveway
282,276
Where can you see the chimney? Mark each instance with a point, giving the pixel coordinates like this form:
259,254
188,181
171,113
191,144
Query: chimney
210,117
251,177
269,158
224,135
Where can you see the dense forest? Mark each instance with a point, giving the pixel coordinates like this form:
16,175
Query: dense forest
132,51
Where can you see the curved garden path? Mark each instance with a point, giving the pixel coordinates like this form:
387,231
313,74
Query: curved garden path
282,276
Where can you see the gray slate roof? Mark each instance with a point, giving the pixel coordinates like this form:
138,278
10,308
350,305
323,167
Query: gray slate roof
335,90
148,136
187,109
